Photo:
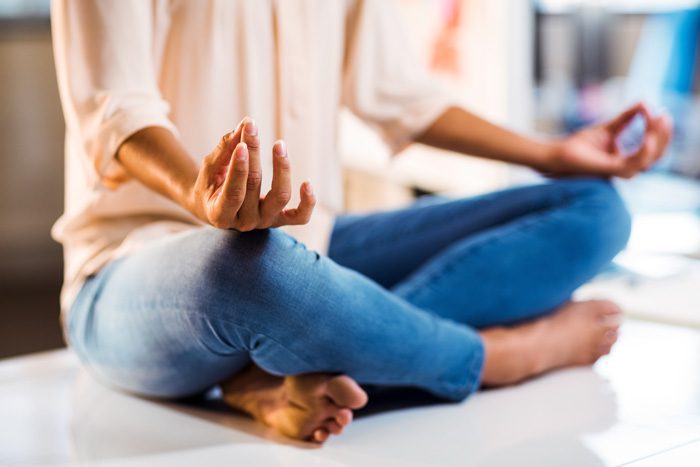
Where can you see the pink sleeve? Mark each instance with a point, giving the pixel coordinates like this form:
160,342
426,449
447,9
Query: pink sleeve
103,51
384,82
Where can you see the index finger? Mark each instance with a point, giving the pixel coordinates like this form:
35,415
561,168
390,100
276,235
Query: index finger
643,157
619,123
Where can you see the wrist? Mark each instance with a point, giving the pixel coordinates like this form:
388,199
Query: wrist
188,196
549,156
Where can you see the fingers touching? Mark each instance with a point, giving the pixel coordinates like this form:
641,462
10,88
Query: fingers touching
657,136
656,139
617,124
215,165
233,173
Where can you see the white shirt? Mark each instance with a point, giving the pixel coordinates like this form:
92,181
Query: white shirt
197,67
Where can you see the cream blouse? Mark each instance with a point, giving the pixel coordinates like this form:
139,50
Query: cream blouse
197,67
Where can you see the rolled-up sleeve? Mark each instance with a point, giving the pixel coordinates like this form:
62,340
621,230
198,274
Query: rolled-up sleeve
106,70
384,82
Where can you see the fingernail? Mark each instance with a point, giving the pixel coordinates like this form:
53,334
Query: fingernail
309,189
242,153
251,129
280,148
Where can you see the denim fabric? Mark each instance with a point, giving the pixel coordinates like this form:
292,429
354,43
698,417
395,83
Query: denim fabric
396,303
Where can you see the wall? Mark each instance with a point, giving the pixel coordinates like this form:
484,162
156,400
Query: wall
31,188
492,77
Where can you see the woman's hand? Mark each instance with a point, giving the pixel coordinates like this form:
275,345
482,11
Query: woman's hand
594,150
226,193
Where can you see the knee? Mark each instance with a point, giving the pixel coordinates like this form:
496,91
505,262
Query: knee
232,240
256,253
606,221
253,266
250,279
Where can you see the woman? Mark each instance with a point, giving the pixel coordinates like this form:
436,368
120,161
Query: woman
178,278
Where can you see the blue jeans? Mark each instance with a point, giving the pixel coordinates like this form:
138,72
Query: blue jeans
397,302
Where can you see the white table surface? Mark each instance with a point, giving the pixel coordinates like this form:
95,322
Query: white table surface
640,407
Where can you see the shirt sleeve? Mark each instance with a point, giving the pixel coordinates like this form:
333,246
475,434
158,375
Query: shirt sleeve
107,81
384,82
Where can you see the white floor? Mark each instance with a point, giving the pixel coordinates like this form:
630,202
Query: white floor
640,407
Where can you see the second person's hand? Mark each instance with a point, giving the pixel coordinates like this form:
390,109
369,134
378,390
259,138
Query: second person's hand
226,193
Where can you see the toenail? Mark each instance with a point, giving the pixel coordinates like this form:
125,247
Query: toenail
320,435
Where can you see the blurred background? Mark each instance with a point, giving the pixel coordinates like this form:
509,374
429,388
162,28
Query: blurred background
541,67
31,180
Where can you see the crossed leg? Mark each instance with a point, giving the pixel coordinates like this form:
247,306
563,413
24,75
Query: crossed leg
506,263
497,262
190,311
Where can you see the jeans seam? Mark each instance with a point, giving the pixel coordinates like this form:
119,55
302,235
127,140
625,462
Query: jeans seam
182,307
448,388
202,316
471,380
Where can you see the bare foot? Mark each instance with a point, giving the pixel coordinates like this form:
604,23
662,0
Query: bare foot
579,333
309,407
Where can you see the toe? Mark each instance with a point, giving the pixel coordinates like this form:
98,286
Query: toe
609,308
604,349
610,337
345,392
320,435
344,417
333,427
610,320
607,342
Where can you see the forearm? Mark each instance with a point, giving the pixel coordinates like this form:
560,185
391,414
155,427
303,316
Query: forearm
154,157
219,191
461,131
